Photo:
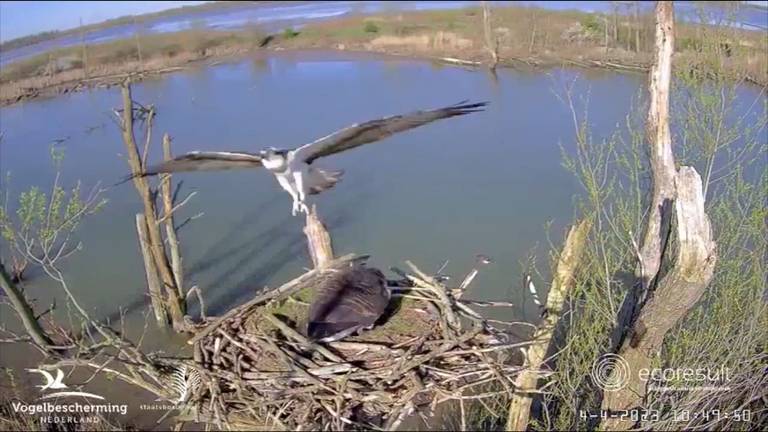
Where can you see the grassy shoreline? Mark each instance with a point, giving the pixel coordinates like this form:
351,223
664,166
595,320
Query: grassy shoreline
36,38
526,36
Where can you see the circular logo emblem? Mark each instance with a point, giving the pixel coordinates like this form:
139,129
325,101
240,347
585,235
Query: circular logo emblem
610,372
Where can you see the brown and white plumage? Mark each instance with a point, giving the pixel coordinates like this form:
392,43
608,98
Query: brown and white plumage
207,161
376,130
349,301
292,167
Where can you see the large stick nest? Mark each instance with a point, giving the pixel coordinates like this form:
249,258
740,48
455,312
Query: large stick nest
254,368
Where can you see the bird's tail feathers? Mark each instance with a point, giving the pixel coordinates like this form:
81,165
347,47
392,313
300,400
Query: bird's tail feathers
126,179
150,171
321,180
464,107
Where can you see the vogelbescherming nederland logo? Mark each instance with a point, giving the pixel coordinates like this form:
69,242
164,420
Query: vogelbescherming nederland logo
49,412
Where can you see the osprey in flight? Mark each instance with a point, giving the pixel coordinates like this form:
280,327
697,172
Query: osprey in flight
293,169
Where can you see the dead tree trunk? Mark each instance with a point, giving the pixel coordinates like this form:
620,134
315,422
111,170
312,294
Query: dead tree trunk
676,294
637,23
154,286
533,32
25,312
170,228
683,285
662,172
615,9
174,302
138,44
660,139
526,382
491,43
84,49
318,239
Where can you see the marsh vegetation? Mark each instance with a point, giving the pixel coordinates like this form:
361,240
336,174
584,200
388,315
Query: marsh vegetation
617,40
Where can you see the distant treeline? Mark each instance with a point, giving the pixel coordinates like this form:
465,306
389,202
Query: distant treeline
30,40
127,19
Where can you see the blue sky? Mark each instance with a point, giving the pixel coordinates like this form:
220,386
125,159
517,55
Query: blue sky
21,18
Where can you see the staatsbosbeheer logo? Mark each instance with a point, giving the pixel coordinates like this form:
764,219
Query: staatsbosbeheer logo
58,384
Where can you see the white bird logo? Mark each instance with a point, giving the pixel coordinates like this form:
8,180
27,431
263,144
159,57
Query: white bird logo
50,382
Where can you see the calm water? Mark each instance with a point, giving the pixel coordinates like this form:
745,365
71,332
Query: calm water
485,183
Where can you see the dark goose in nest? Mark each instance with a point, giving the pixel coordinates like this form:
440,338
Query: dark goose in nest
349,301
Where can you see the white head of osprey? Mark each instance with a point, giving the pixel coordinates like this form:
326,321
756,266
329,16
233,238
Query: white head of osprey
54,408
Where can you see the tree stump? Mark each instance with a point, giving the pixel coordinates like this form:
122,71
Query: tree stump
318,239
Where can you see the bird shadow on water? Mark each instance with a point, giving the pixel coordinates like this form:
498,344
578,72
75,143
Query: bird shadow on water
224,269
267,253
221,252
232,243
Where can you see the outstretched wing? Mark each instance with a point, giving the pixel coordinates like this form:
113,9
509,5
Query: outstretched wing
202,161
207,161
375,130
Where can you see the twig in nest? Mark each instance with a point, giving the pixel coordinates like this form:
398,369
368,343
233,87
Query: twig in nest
293,334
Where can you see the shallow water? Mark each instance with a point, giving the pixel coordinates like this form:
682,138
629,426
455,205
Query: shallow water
485,183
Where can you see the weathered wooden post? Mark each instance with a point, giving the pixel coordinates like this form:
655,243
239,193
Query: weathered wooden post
535,355
170,228
153,282
318,239
492,44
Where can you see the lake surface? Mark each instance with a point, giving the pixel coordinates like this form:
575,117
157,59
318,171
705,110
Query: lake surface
280,15
485,183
